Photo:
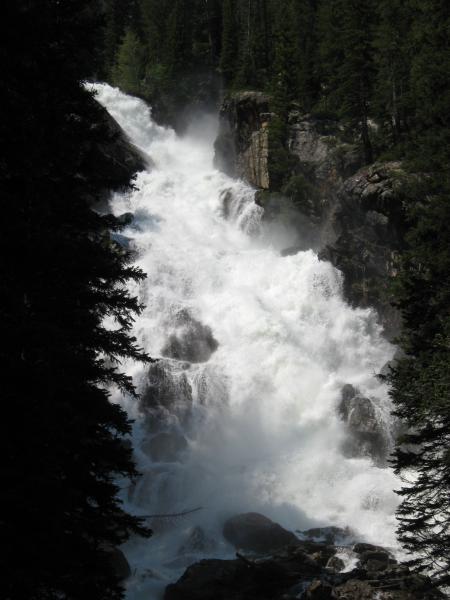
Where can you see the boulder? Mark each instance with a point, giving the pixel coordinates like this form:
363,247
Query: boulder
118,563
366,433
362,547
330,535
335,564
289,574
115,158
319,590
165,388
165,446
254,532
192,342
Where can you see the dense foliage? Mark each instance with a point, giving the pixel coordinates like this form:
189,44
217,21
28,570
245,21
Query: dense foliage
62,444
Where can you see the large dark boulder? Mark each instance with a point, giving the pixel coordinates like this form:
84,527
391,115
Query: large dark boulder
291,574
366,434
118,563
192,342
165,388
108,156
165,446
254,532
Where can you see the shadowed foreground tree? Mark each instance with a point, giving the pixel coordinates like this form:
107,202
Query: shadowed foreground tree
62,444
421,381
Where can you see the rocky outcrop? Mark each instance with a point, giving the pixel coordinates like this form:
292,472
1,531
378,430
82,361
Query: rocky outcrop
366,432
165,446
164,389
352,215
324,156
112,160
242,144
294,572
118,562
192,341
368,224
253,532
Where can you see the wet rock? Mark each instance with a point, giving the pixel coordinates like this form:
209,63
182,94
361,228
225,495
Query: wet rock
366,433
254,532
271,578
336,564
369,224
165,388
379,554
165,446
125,219
242,145
320,591
197,541
115,158
376,565
330,535
362,547
118,563
192,342
290,574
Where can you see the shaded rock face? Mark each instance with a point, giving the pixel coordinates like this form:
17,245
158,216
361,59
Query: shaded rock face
193,342
165,446
368,225
323,155
115,158
352,215
164,388
366,432
256,533
244,580
242,144
292,573
118,563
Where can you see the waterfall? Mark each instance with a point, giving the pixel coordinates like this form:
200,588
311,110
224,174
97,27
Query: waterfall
241,412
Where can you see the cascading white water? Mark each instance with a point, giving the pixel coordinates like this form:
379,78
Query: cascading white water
258,420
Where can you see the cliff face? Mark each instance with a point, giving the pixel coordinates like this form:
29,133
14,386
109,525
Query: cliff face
117,159
242,146
354,213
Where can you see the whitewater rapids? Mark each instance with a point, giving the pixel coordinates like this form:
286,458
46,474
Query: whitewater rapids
259,418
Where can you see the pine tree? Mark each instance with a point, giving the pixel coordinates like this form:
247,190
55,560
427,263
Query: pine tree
420,383
129,66
228,57
62,446
392,91
348,53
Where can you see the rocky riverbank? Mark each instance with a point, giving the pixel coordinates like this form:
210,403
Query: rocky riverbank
319,564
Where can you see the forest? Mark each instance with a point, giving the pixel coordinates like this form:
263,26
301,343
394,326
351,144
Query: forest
380,67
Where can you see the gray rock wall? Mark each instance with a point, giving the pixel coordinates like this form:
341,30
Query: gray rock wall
242,145
355,212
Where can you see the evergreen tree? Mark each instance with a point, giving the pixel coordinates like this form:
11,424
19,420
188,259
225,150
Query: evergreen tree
305,51
63,444
229,52
420,384
392,92
349,56
129,67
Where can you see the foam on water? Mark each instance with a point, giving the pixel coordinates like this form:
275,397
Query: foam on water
262,427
